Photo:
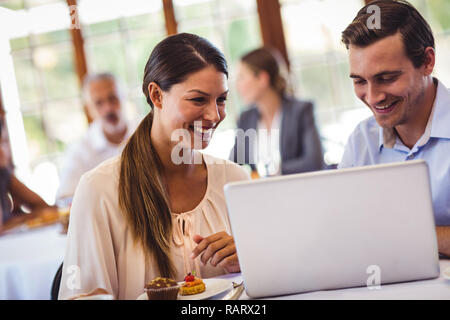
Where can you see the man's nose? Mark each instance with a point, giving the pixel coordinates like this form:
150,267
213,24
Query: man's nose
374,96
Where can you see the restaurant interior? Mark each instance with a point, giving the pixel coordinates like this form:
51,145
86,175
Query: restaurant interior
49,47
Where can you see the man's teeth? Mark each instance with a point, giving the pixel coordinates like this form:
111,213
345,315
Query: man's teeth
384,107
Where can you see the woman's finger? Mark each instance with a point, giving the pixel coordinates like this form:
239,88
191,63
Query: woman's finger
225,252
205,242
213,247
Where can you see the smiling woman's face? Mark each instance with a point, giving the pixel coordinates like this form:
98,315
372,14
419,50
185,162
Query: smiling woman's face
199,100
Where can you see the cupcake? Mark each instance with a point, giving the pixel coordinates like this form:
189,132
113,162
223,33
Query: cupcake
192,285
162,289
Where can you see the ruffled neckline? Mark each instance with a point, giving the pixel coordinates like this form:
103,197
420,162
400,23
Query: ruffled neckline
205,196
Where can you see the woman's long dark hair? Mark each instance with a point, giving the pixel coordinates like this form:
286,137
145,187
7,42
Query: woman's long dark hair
142,195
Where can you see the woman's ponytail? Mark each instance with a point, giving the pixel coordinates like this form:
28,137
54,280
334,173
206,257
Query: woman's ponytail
143,199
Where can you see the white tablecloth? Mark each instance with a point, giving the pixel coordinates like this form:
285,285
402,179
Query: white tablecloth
29,261
438,288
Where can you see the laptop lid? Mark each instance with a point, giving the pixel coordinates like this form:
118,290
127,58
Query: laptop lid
334,229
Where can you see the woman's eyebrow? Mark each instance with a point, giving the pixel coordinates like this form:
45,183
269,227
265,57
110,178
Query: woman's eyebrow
199,91
204,93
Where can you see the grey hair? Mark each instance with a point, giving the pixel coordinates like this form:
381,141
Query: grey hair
89,78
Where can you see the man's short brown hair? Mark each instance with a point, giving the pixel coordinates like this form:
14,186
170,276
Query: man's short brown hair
396,16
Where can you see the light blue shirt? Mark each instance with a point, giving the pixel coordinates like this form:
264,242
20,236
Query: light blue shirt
371,144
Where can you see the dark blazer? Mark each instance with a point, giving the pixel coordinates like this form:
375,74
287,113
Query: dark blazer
300,146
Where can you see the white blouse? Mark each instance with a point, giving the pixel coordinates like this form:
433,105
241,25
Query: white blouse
101,252
267,147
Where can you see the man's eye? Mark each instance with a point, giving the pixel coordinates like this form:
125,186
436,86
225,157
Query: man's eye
360,81
387,79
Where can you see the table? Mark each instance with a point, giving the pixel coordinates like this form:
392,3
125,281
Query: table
29,261
438,288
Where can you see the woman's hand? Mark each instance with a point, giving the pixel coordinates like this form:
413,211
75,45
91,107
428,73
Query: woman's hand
220,249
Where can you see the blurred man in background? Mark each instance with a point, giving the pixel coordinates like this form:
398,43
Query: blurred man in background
105,137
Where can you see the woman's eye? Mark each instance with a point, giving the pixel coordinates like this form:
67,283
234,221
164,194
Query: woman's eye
222,100
198,100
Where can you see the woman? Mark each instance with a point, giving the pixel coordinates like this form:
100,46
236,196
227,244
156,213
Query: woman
13,193
145,214
287,140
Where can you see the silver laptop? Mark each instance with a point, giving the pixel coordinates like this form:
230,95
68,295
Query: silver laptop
370,225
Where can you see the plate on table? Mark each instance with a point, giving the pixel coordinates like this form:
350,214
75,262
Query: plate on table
213,288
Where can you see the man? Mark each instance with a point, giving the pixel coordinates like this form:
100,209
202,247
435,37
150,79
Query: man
391,68
105,137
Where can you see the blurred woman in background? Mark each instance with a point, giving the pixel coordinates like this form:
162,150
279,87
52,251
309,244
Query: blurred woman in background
13,193
287,140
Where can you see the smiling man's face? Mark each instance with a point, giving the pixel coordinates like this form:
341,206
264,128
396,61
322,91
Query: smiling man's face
386,81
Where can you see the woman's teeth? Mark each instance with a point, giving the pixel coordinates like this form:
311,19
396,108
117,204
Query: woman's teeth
201,130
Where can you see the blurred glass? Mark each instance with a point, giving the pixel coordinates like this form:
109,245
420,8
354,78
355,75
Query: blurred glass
442,68
12,4
64,121
150,20
57,69
106,53
140,44
437,14
37,3
26,78
51,37
194,9
19,43
36,136
440,12
314,83
319,63
105,27
243,35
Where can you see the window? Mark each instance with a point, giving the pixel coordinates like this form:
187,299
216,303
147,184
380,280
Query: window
437,13
319,66
41,51
119,37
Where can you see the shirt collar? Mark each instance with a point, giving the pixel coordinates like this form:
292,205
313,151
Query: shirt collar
97,137
437,125
440,127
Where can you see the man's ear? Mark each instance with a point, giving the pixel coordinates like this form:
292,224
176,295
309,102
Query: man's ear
429,61
155,94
